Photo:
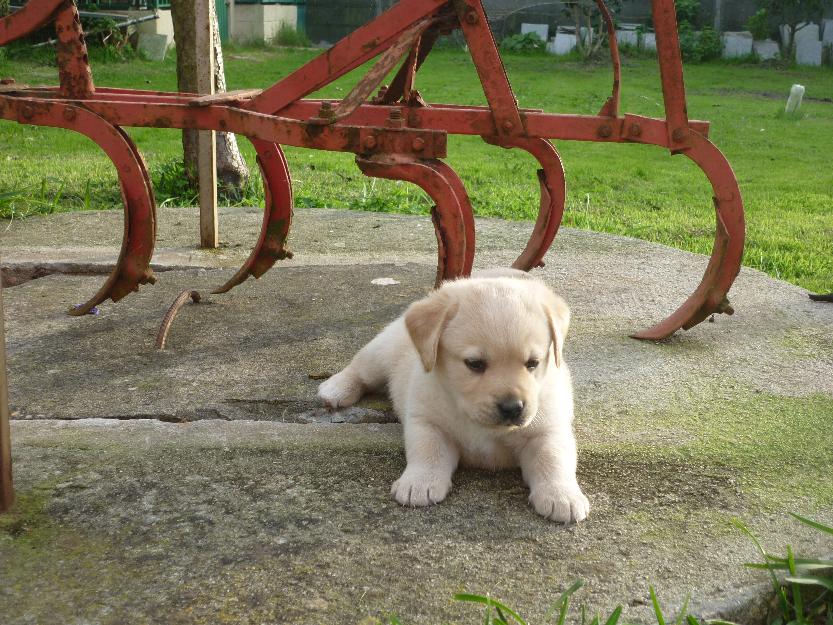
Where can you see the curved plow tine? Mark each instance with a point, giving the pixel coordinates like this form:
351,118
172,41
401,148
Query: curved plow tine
451,214
724,264
27,19
277,215
133,265
553,196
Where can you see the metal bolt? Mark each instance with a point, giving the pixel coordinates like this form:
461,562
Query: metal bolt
70,114
678,135
508,125
383,91
28,112
605,131
635,130
370,142
418,144
395,119
472,17
326,110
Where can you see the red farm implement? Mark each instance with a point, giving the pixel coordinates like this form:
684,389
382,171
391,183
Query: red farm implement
391,129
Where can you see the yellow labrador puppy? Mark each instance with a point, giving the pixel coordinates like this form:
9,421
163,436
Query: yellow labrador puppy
477,376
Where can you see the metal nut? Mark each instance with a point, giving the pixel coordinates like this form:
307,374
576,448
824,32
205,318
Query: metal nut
508,125
472,17
605,131
635,130
370,142
70,114
419,144
678,135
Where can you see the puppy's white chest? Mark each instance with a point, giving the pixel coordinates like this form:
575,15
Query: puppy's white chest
483,451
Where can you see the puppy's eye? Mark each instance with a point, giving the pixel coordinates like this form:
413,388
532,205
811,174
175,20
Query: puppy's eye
532,364
475,364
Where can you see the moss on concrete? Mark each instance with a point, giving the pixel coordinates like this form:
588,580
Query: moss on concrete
27,524
772,446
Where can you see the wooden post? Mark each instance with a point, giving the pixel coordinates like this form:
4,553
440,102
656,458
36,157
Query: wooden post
6,490
206,139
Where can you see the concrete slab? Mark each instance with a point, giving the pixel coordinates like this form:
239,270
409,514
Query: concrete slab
766,49
809,52
542,30
562,43
737,44
201,481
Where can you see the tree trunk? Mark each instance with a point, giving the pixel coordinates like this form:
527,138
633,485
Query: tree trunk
232,172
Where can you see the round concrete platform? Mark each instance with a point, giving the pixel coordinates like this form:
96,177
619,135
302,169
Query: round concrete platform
175,486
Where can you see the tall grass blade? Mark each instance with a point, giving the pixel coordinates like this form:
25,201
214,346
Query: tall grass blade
563,602
819,526
798,601
683,611
491,603
812,581
657,609
613,619
776,585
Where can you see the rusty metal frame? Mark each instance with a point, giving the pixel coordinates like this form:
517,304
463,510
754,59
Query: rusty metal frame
396,134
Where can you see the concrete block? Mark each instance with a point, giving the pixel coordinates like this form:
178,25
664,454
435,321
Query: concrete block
542,30
808,52
649,41
627,37
737,44
808,32
766,49
827,31
562,43
153,46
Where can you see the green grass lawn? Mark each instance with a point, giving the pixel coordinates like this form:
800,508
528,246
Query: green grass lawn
783,163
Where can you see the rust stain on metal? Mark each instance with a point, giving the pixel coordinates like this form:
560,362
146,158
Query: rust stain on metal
168,319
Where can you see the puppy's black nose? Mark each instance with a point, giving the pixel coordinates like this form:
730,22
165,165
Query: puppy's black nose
510,408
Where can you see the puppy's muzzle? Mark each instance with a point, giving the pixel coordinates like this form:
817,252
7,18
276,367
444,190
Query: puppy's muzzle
510,410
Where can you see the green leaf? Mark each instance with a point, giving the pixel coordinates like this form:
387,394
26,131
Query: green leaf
811,523
776,585
657,610
613,619
491,603
563,602
683,611
827,582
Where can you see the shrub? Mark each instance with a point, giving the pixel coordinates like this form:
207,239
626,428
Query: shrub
289,37
710,45
526,43
758,25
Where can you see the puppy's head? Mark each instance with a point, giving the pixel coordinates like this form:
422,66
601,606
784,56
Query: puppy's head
491,342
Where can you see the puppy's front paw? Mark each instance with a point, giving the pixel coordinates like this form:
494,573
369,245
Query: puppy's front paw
559,502
420,488
341,390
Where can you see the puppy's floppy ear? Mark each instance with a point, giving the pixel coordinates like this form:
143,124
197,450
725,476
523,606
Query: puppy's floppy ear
426,320
558,318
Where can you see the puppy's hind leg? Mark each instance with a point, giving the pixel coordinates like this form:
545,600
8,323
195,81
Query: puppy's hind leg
367,371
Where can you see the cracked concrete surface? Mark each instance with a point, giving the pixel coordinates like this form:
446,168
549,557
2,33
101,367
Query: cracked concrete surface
203,484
